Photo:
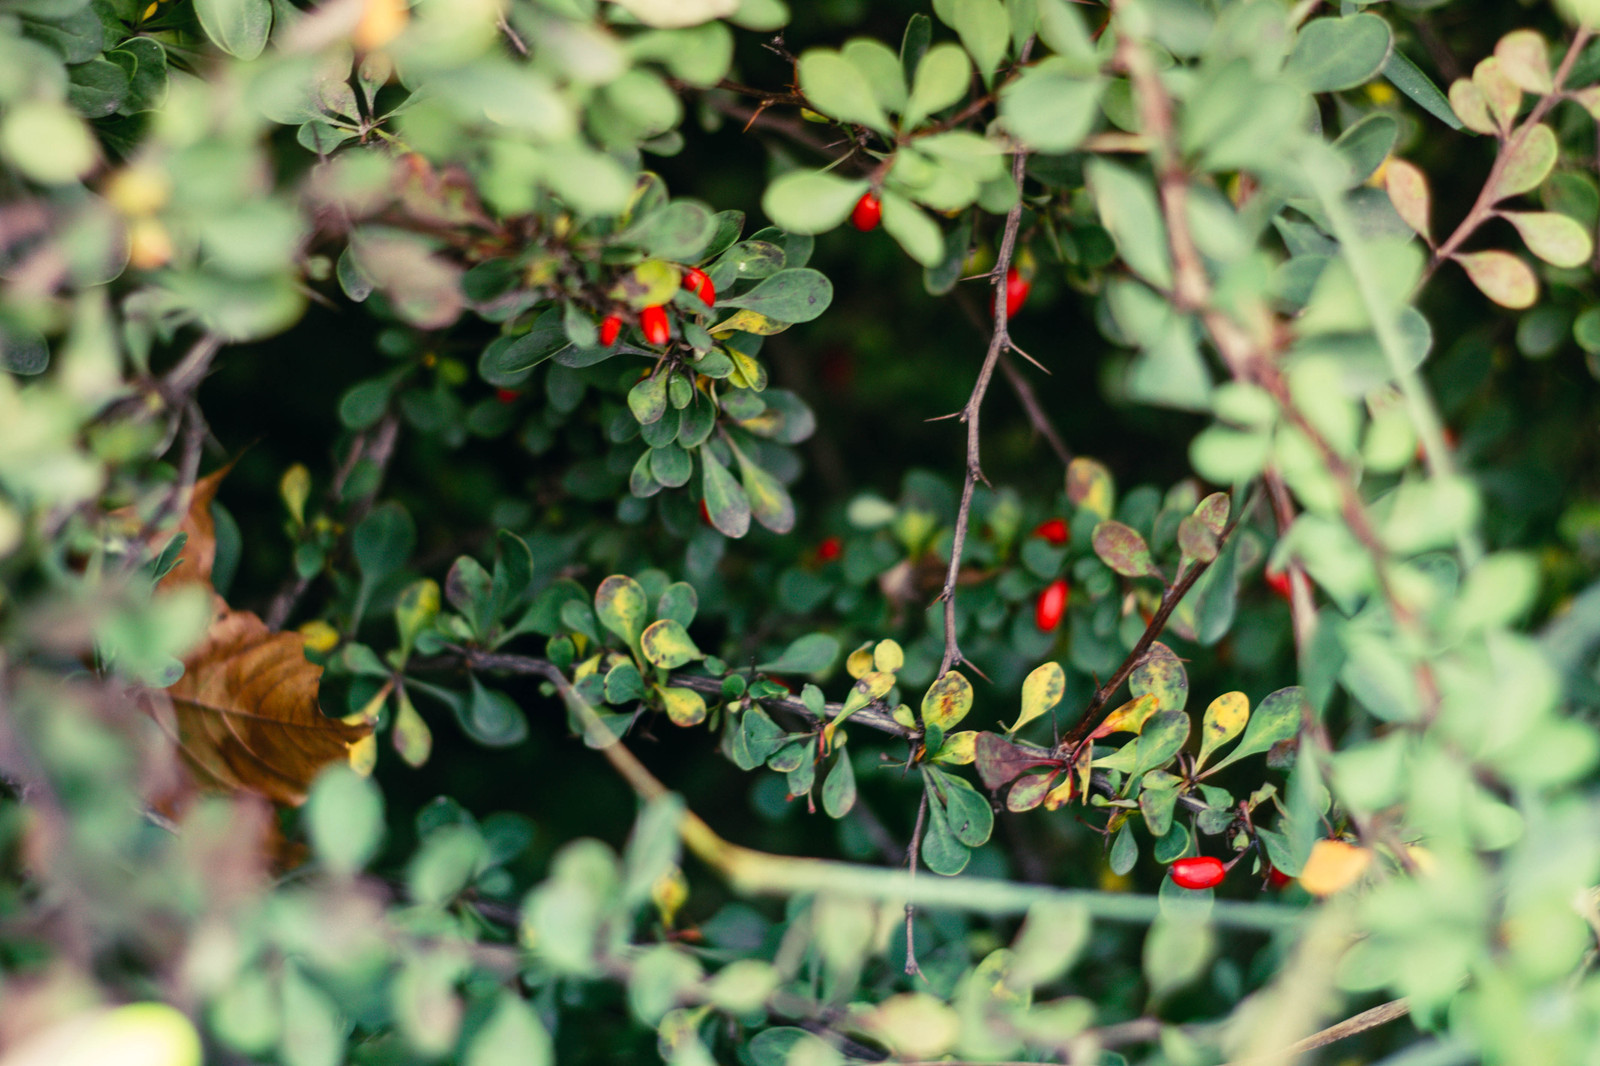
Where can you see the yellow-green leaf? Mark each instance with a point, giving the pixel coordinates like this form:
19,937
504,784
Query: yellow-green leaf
295,488
873,685
683,705
415,607
1089,487
888,656
747,321
620,605
1223,721
652,282
859,661
1040,692
666,644
948,700
412,738
958,749
1061,795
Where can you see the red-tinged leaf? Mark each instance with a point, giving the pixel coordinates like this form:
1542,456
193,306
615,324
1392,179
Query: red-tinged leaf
1124,550
1502,277
1471,106
1499,92
1558,239
999,760
1029,791
1525,60
1408,191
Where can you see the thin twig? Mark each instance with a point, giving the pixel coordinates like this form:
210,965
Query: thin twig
1030,404
1483,207
913,855
969,415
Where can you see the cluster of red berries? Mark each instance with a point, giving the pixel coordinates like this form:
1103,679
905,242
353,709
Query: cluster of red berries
653,320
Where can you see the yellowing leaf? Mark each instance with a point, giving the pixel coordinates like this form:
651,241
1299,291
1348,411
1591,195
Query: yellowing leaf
947,701
959,749
1408,191
619,604
1089,487
747,321
667,645
1129,718
1061,795
684,706
1333,865
1502,277
888,655
1224,720
859,661
412,738
871,686
1041,691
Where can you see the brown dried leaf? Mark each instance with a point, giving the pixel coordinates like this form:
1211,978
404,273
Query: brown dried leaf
245,715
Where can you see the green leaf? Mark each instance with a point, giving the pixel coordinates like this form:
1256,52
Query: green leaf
1041,691
1277,719
1157,805
648,399
1367,144
1124,850
1062,29
985,31
96,89
1556,238
1419,88
834,86
941,80
621,606
383,541
947,701
491,718
1161,739
941,851
1124,550
770,502
1224,719
1052,105
624,684
344,817
1176,951
811,201
795,295
648,284
969,815
666,644
513,1036
839,790
1527,163
810,654
1161,674
918,234
1127,203
725,501
506,361
880,66
1331,54
679,231
238,27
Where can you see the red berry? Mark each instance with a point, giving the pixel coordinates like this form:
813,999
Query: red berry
1051,605
698,282
1201,872
830,549
868,211
705,515
506,395
1277,878
610,330
1053,530
1017,289
1278,581
653,320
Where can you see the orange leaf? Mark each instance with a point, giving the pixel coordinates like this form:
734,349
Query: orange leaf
1333,865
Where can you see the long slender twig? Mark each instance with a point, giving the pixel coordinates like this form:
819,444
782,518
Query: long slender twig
1035,411
969,414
